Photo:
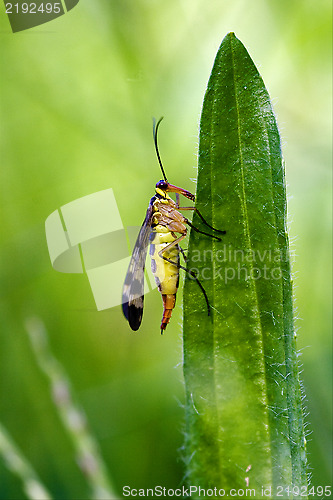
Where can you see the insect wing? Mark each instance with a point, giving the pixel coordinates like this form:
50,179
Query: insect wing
133,290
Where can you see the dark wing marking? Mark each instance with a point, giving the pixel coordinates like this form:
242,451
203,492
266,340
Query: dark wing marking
133,290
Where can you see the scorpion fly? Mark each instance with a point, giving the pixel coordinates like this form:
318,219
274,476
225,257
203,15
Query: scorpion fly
163,220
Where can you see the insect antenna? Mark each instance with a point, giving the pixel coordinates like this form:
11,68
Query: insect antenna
155,128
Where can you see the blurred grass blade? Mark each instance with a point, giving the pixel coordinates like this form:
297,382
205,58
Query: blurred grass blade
243,401
19,465
73,419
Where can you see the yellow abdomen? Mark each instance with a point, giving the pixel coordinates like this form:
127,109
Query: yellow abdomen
166,273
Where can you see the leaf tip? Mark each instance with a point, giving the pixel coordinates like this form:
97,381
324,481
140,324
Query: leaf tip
231,35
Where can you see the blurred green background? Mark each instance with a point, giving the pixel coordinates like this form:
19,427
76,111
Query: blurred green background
77,98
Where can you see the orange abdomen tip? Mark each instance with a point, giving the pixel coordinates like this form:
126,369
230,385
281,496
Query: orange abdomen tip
169,301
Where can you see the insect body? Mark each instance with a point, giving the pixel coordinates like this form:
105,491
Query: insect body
164,248
163,220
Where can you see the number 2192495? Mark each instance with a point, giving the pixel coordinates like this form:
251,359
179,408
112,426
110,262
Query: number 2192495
303,491
32,8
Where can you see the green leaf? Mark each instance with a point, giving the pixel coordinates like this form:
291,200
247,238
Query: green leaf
244,422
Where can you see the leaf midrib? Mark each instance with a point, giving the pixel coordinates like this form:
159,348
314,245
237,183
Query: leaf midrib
248,237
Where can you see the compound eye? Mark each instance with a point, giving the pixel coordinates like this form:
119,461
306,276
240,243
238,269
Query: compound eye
162,185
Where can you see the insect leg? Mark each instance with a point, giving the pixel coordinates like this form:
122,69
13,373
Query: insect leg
202,218
197,211
183,253
202,232
191,273
172,244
